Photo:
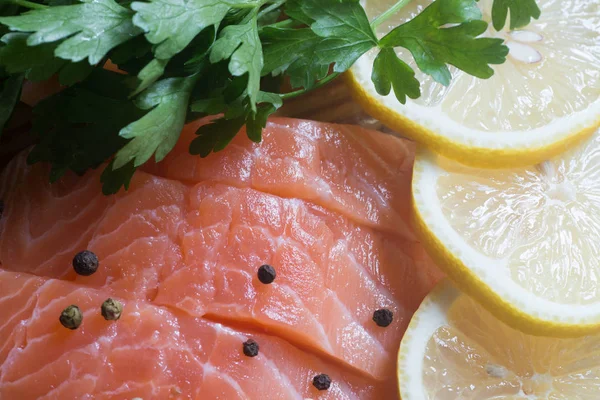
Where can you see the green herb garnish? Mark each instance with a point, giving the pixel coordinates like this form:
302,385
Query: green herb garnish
189,58
521,13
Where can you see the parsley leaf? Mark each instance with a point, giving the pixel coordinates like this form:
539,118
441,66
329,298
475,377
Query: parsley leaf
113,179
74,132
72,73
219,94
182,59
269,17
172,24
38,62
91,28
216,136
185,63
521,12
343,23
9,95
135,48
241,44
256,122
209,106
157,131
196,55
389,72
6,10
61,2
212,96
150,74
339,34
295,52
434,46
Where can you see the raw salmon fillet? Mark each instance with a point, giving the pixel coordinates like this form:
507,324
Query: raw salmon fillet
152,352
326,205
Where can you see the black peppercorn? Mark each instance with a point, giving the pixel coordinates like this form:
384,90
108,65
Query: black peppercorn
383,317
250,348
85,263
322,382
71,317
266,274
111,310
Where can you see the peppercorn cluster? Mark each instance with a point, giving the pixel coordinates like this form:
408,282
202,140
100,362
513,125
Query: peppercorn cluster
86,263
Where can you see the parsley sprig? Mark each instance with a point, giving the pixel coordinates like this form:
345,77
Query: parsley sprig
183,59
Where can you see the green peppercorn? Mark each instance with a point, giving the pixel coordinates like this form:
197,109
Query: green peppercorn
71,317
111,310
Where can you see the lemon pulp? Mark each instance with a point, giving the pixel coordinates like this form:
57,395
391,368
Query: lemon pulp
541,223
552,71
471,355
523,241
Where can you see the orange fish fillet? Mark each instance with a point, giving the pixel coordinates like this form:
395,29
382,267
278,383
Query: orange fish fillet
152,352
326,205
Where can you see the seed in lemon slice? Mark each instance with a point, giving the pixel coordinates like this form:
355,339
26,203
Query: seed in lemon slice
455,349
545,97
525,242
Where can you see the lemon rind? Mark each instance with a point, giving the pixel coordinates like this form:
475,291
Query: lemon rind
534,315
419,331
501,154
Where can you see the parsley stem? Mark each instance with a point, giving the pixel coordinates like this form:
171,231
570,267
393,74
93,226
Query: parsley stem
256,4
272,7
286,23
391,11
300,92
29,4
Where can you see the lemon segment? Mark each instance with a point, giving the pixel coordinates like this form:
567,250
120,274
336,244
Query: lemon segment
455,349
544,99
525,241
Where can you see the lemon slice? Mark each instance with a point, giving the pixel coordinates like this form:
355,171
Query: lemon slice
455,349
524,241
543,99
